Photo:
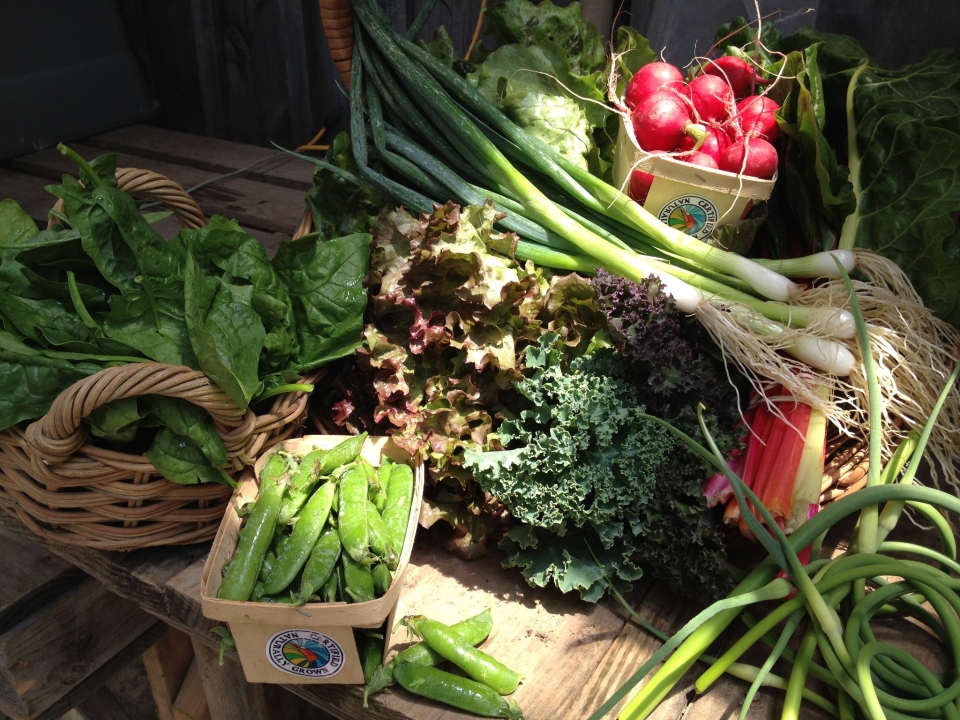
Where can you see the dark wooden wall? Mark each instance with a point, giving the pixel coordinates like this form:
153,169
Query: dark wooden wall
257,71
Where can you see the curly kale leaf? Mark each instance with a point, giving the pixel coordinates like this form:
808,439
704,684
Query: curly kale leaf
585,468
667,350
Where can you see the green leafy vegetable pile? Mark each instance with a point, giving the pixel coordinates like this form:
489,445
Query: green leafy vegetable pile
447,322
102,288
873,156
603,490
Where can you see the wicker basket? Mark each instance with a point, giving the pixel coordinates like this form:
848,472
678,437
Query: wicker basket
66,488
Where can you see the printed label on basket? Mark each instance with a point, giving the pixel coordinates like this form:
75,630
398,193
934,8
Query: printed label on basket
306,653
692,214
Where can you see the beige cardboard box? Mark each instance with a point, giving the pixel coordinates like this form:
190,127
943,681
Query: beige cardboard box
313,643
687,197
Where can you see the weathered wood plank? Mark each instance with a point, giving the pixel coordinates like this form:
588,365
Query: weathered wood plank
101,705
191,702
31,576
255,204
43,657
139,576
205,153
106,672
228,694
167,663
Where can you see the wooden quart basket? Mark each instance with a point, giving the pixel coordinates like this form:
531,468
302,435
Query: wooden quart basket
66,488
261,629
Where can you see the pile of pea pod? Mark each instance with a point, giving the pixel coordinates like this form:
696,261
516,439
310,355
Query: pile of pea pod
325,527
481,693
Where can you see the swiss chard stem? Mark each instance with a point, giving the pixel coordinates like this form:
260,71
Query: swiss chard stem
848,233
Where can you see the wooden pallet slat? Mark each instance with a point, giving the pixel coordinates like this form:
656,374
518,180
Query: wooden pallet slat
210,154
259,205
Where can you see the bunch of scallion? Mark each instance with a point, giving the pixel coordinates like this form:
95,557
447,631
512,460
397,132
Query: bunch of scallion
828,600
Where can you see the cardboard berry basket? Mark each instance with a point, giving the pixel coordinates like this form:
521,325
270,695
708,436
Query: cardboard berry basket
690,198
313,643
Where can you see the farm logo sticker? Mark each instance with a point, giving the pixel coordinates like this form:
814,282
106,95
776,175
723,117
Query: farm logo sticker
691,214
305,653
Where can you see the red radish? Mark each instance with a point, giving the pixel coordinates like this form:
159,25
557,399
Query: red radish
649,79
711,96
738,73
715,142
660,122
757,118
640,183
752,156
699,158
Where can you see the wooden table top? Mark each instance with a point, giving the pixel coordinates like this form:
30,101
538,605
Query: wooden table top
573,654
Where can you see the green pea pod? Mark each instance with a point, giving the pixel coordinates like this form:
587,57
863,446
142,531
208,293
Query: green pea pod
280,537
380,541
345,452
383,480
319,569
268,562
301,542
357,580
371,654
352,516
399,498
473,630
277,600
329,591
301,485
475,663
256,535
474,697
382,577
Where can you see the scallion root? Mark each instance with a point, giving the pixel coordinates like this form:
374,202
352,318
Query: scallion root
914,352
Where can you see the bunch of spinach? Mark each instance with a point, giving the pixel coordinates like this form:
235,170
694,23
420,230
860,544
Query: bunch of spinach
102,288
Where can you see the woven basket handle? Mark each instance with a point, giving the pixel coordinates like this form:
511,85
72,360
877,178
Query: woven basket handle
149,185
60,433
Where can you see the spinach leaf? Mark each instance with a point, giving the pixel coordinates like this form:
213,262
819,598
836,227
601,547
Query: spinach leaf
58,290
180,460
150,318
154,256
225,332
243,257
325,283
15,224
15,227
191,421
338,207
45,321
30,382
100,237
116,421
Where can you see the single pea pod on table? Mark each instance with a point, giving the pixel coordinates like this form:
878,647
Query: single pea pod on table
477,664
460,692
473,630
